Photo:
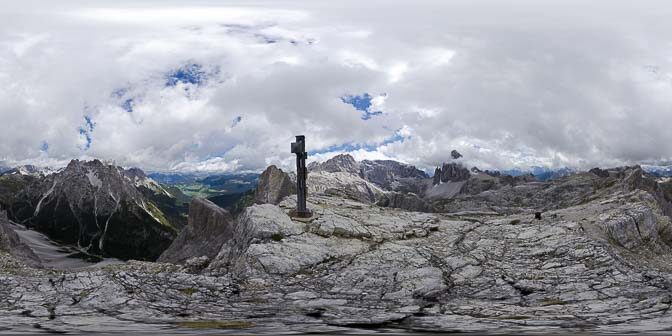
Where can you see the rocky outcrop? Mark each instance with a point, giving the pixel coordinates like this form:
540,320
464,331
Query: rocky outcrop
12,244
258,223
342,163
208,228
599,172
455,154
406,201
450,172
386,174
390,175
343,184
273,186
98,208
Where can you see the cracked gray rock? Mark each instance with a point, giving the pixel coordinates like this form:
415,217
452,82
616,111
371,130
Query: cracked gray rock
597,261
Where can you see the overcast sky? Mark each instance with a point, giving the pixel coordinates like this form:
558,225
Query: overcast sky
224,86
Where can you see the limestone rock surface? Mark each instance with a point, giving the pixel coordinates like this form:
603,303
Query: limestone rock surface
273,186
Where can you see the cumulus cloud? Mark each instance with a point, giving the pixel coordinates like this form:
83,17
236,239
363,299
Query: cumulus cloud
211,87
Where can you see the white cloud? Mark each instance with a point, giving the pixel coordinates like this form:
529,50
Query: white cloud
558,83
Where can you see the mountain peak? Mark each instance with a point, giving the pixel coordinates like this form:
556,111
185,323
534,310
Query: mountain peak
339,163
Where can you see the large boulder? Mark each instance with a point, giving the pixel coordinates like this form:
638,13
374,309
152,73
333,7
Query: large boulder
257,223
209,226
273,186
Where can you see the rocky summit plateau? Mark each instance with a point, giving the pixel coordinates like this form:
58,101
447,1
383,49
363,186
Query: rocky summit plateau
388,249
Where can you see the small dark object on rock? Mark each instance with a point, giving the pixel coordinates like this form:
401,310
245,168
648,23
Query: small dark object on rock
455,154
537,215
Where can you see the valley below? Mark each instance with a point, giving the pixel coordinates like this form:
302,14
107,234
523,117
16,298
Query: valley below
388,249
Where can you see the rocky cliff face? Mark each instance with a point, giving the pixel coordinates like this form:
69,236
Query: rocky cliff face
598,260
450,172
343,184
10,186
273,186
209,227
99,208
406,201
388,174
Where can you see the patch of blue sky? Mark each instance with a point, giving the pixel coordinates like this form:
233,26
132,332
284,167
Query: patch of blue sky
119,93
192,73
44,146
236,121
87,137
128,105
90,125
86,131
352,146
361,103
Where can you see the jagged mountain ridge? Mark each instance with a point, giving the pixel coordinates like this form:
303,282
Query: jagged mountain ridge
384,173
398,185
29,170
100,208
598,258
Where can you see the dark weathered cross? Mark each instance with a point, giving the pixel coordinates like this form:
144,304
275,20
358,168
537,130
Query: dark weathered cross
299,148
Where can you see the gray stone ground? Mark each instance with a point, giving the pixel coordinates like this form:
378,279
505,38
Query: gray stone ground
602,265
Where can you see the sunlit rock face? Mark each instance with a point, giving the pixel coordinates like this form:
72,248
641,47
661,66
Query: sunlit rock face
342,163
99,208
273,186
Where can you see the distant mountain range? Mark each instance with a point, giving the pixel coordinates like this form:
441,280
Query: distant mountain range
658,171
106,210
